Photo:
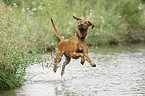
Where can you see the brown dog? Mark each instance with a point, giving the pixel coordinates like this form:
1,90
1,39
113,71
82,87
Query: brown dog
74,47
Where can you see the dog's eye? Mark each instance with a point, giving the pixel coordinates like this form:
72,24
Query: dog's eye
85,23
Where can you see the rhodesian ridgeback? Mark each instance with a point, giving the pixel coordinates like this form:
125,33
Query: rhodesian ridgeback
74,47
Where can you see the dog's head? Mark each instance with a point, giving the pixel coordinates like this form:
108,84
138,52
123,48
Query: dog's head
82,24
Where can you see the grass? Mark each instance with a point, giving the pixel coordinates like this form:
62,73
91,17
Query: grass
25,29
17,49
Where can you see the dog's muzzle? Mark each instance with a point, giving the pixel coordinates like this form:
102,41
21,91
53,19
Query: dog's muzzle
81,27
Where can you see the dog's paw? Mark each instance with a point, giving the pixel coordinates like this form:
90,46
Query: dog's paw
62,72
54,69
93,65
82,63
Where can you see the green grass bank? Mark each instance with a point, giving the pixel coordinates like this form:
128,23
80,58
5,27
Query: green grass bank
26,31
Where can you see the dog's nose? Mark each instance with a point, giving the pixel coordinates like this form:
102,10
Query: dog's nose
81,24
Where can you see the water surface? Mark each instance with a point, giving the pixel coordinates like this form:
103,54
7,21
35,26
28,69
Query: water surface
120,71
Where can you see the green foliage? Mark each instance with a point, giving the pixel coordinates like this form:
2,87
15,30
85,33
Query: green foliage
17,48
12,69
25,29
115,21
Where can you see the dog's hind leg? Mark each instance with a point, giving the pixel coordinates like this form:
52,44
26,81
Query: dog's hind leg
57,60
67,60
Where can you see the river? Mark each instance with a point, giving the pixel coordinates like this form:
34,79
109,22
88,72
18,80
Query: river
120,71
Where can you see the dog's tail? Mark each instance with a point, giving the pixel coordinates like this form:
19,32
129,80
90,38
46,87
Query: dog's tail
58,35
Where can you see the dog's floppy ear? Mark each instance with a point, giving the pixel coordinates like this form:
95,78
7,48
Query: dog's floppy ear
76,18
91,24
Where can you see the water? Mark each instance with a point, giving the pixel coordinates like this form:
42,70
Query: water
120,71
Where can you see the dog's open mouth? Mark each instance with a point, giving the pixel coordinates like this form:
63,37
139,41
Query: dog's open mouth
81,28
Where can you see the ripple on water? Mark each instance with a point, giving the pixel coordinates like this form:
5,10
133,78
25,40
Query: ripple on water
119,72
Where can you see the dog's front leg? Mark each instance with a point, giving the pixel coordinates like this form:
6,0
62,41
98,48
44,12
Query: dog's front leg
82,60
74,54
85,51
90,61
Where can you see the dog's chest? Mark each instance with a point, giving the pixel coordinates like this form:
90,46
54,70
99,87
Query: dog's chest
80,48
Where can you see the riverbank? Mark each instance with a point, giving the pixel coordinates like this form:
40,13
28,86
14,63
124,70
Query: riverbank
25,29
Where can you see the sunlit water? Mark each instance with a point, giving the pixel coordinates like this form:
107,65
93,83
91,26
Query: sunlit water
120,71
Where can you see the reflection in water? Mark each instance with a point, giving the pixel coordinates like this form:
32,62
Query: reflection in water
62,91
120,72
